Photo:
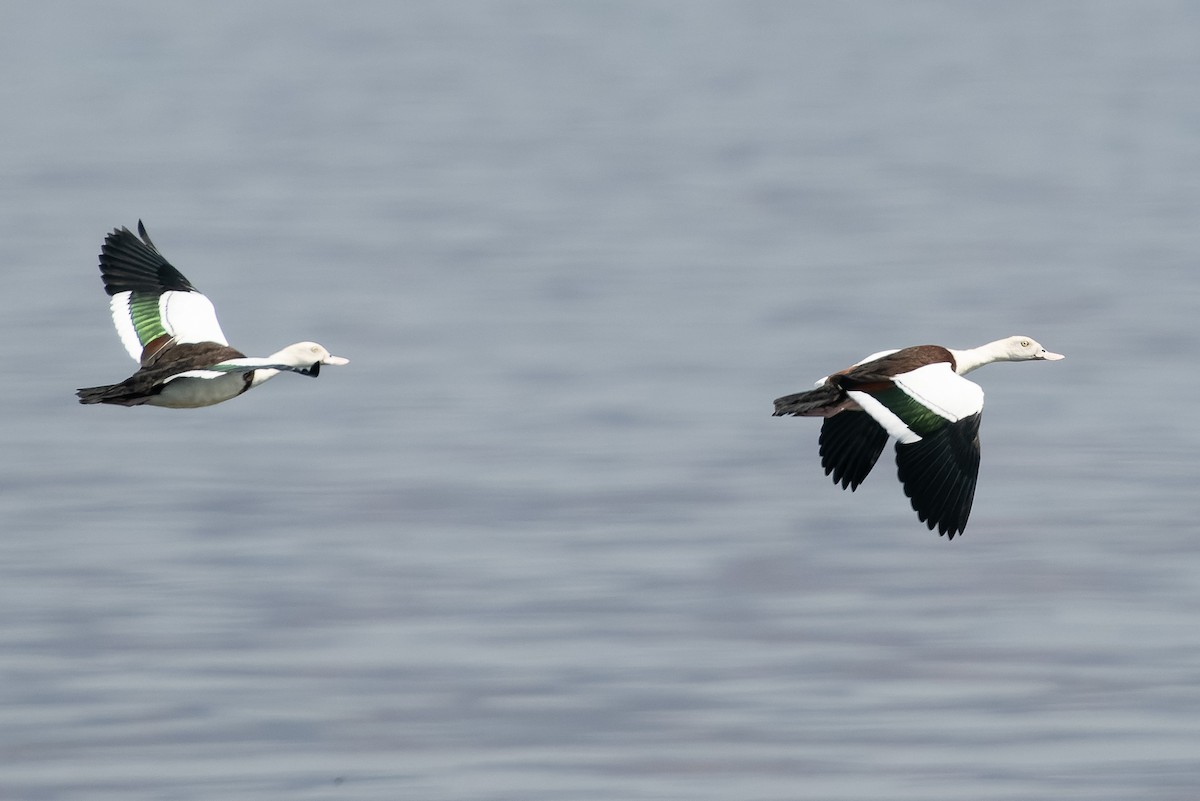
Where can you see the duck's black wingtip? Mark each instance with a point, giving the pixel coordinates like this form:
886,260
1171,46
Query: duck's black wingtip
939,473
130,264
145,236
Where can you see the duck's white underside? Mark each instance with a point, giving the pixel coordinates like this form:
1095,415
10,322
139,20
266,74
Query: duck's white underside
197,388
193,388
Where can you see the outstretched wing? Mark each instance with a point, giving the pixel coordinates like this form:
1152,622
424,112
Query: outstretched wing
248,364
939,473
913,404
935,414
153,304
851,442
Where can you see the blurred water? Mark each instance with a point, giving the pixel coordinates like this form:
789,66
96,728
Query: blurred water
541,539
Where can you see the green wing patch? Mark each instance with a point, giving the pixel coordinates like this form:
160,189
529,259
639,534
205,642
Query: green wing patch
913,413
147,321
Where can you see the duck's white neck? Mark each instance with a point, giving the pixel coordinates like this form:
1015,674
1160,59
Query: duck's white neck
261,374
286,356
973,358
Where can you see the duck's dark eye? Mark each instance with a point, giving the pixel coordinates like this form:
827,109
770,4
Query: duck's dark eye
1024,343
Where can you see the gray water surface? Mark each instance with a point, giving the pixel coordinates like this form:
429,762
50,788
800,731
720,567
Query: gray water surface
542,539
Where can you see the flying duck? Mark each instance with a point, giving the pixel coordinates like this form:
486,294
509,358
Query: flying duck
918,396
171,330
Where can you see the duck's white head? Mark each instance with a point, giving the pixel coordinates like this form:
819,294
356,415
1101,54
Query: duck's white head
304,354
1024,349
1012,349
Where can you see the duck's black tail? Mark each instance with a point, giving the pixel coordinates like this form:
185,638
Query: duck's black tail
817,402
118,394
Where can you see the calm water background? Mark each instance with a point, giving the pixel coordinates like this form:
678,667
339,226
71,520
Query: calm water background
542,539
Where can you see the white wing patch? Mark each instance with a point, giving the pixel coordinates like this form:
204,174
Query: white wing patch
244,365
124,325
942,391
875,356
190,317
934,386
208,374
184,316
884,416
